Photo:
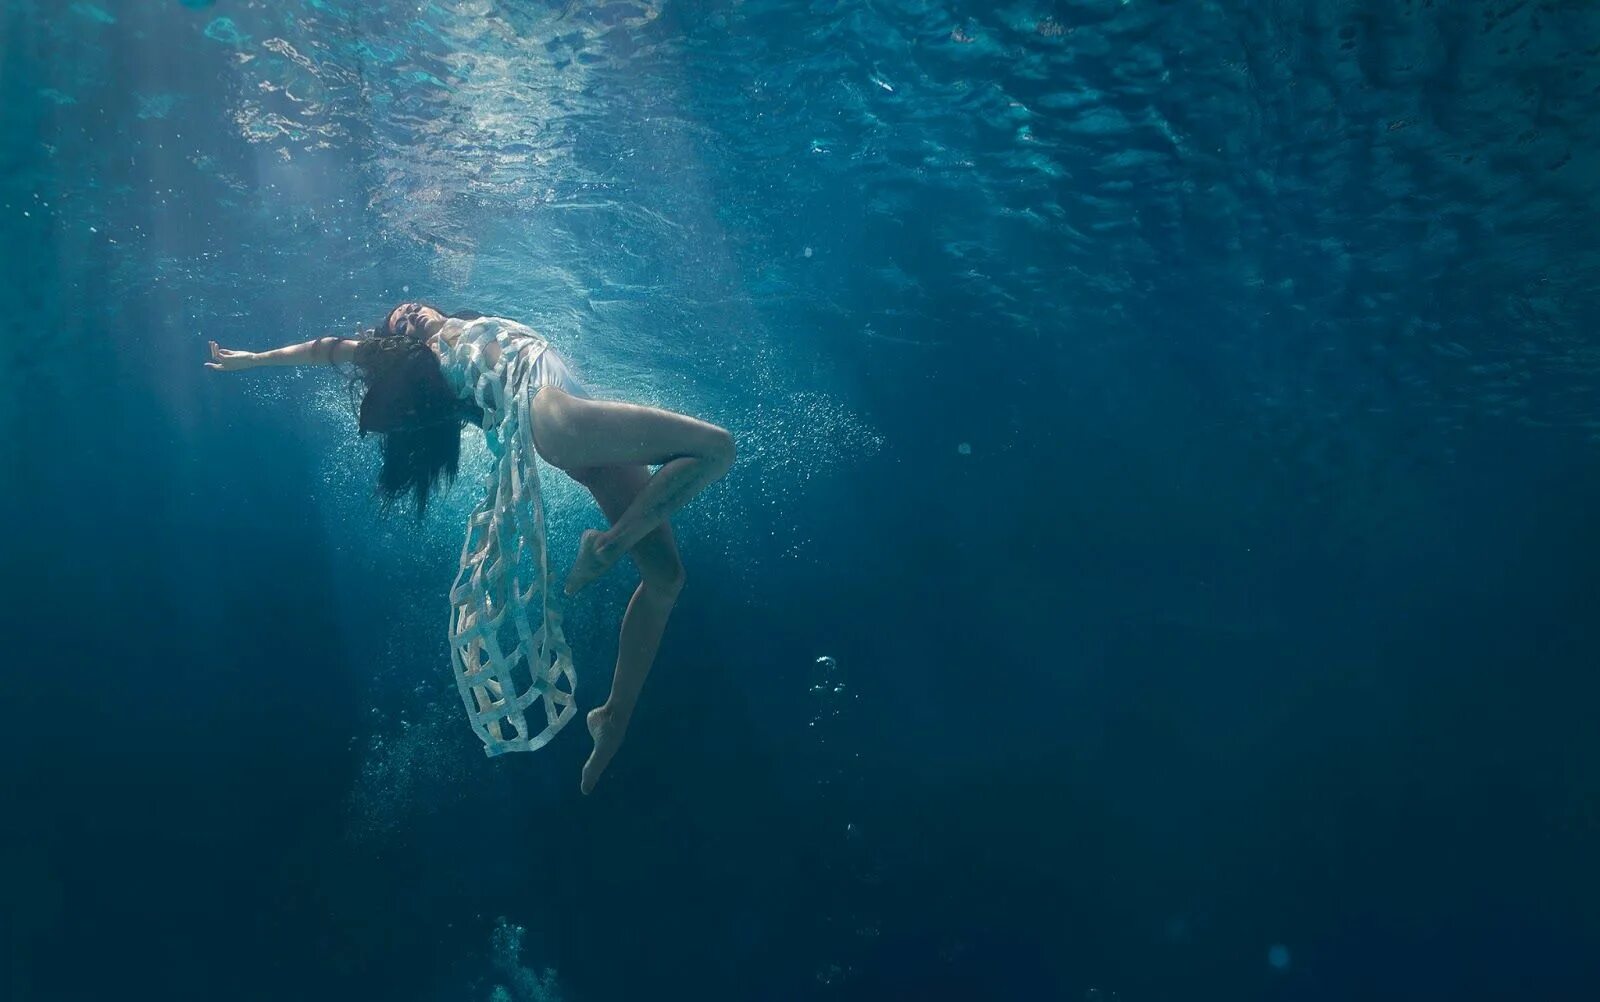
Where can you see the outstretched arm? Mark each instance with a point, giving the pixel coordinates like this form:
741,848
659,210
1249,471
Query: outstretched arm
322,351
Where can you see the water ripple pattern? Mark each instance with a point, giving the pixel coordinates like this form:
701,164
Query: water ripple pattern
1311,170
1360,213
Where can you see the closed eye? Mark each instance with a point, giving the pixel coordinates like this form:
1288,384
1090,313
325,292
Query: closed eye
401,325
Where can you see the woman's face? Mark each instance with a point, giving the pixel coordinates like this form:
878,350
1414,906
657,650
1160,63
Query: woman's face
414,320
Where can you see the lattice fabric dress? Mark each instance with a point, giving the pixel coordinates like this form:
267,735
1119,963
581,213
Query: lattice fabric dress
512,663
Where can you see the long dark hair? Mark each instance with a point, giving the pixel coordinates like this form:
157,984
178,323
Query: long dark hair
406,401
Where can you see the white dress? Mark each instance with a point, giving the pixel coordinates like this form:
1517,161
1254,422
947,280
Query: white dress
511,661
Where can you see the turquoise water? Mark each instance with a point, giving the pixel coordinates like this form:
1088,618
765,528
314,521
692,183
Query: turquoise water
1159,563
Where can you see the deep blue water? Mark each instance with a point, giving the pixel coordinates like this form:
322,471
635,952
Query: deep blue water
1176,422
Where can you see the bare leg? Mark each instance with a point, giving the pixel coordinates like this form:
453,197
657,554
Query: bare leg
661,573
573,434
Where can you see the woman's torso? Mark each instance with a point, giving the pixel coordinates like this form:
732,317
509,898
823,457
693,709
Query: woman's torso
477,356
492,360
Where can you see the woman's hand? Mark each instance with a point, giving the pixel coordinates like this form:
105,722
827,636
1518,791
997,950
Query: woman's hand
227,360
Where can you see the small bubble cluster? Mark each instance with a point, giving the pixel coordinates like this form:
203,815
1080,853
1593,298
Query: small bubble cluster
828,691
516,982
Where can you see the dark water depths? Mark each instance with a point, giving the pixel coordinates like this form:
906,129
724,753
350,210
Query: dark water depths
1175,424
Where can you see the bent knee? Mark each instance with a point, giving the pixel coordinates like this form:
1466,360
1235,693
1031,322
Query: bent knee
664,583
720,450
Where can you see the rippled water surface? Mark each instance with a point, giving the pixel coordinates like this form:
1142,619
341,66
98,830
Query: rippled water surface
1157,565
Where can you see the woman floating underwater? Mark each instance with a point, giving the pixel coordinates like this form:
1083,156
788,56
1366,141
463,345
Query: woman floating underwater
425,375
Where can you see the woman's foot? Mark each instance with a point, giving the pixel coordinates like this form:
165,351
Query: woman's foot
608,733
594,559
